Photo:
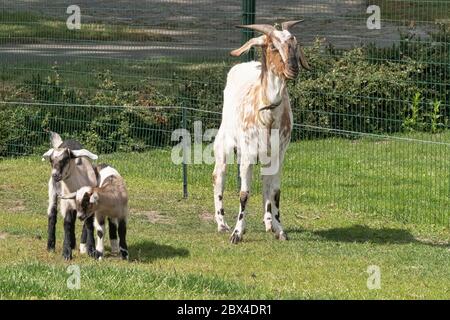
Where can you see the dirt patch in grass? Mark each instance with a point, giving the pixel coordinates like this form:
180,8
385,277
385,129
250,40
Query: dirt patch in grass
4,187
155,217
434,242
206,216
3,235
16,206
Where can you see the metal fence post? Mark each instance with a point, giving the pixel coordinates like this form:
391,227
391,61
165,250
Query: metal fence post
248,17
185,155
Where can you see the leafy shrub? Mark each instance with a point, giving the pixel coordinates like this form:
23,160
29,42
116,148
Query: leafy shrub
106,121
371,90
353,92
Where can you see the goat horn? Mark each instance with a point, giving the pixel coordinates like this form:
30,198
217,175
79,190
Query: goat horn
264,28
68,196
289,24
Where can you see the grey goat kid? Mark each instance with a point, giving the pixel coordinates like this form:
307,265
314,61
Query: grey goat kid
108,200
71,169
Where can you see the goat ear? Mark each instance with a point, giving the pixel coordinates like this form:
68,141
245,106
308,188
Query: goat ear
302,59
47,155
94,198
83,153
69,196
55,139
258,42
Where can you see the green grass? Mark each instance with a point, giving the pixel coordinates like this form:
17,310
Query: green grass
345,205
25,27
413,10
167,76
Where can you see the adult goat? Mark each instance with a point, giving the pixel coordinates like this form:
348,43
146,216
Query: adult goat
71,170
257,122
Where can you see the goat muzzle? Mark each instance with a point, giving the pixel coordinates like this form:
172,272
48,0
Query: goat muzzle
57,177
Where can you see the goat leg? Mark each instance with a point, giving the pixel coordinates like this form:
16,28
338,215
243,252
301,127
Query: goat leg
122,238
89,231
52,216
73,240
113,225
67,245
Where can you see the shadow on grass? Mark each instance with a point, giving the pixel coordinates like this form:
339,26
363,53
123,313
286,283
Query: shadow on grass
365,234
148,251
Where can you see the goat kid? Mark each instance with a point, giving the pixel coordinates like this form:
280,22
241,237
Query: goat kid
256,104
71,169
108,200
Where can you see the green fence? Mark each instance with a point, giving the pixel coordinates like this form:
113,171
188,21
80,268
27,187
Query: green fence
371,119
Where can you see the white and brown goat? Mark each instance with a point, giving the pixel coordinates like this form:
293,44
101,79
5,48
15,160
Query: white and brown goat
257,122
108,200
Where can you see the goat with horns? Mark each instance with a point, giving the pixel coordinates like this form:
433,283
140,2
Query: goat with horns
257,122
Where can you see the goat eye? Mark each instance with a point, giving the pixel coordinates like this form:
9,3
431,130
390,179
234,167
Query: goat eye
272,47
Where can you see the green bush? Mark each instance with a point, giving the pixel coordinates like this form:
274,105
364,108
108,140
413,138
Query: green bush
106,121
370,90
353,93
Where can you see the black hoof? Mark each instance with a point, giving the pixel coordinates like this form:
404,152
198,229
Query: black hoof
51,248
67,254
235,238
98,255
91,252
124,254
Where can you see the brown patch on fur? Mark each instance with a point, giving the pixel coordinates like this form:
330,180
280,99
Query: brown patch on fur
273,59
243,197
249,117
286,125
214,178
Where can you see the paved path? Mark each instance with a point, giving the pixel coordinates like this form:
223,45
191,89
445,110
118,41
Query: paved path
197,27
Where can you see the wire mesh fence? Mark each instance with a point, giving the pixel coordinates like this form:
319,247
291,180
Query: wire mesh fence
371,119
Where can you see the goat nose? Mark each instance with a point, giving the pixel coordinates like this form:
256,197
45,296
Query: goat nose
56,177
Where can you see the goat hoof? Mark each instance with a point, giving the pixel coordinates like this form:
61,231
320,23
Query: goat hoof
223,228
97,255
282,236
124,254
235,237
51,248
91,252
67,254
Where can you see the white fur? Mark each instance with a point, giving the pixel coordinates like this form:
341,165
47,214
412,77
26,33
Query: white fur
107,172
250,140
114,246
83,248
99,246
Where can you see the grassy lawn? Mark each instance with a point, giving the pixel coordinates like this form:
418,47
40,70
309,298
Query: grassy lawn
25,27
345,205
